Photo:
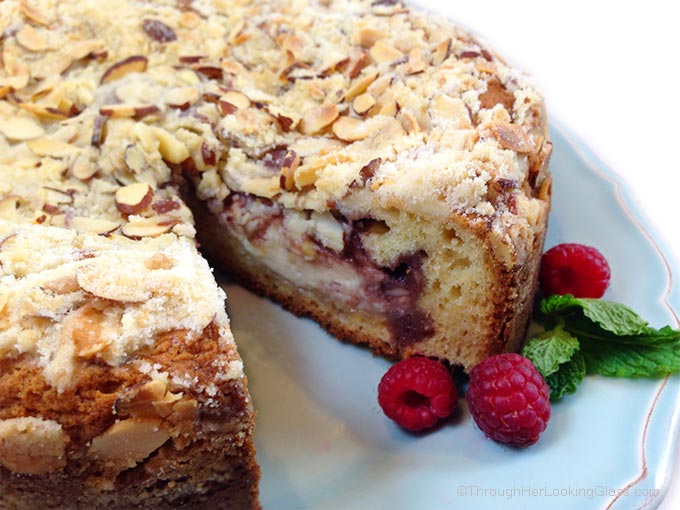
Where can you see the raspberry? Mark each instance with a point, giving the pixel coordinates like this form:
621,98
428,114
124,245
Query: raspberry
508,399
416,393
576,269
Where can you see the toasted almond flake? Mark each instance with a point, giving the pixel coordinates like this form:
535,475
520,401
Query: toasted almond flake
441,52
306,175
416,63
291,162
81,49
390,109
32,446
263,187
350,129
172,150
238,99
52,148
134,198
134,159
57,197
319,117
128,442
17,82
51,64
148,227
410,122
29,38
21,129
369,36
360,85
33,15
128,111
511,137
8,207
134,64
383,53
453,109
363,103
44,112
93,225
380,85
182,97
83,168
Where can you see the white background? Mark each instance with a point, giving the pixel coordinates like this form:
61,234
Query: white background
609,72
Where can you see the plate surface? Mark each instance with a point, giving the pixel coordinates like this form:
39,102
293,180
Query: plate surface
324,444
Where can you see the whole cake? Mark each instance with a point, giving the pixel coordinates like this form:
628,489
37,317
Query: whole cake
362,163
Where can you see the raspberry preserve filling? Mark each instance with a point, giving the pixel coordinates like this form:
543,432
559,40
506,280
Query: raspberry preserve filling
290,241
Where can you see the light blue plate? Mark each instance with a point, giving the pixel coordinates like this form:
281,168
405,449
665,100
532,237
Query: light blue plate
324,444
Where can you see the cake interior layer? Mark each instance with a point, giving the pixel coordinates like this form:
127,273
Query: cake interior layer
400,284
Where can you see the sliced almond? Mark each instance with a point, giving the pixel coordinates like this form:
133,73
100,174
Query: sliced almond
360,85
57,197
172,150
8,207
134,159
128,442
84,327
129,111
32,14
389,109
52,148
318,118
99,131
83,168
148,227
81,49
350,129
63,285
291,162
383,53
20,129
416,63
44,112
134,64
32,446
134,198
29,38
441,52
451,108
182,98
410,122
93,225
369,36
238,99
511,136
363,103
380,85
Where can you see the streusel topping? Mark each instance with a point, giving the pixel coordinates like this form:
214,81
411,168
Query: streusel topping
68,298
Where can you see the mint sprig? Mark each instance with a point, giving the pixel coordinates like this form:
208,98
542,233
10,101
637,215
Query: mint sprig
598,337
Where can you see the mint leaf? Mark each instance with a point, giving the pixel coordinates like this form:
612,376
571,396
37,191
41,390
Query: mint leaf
614,340
550,349
608,316
630,360
567,378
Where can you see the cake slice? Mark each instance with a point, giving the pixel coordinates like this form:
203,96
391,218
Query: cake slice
120,383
